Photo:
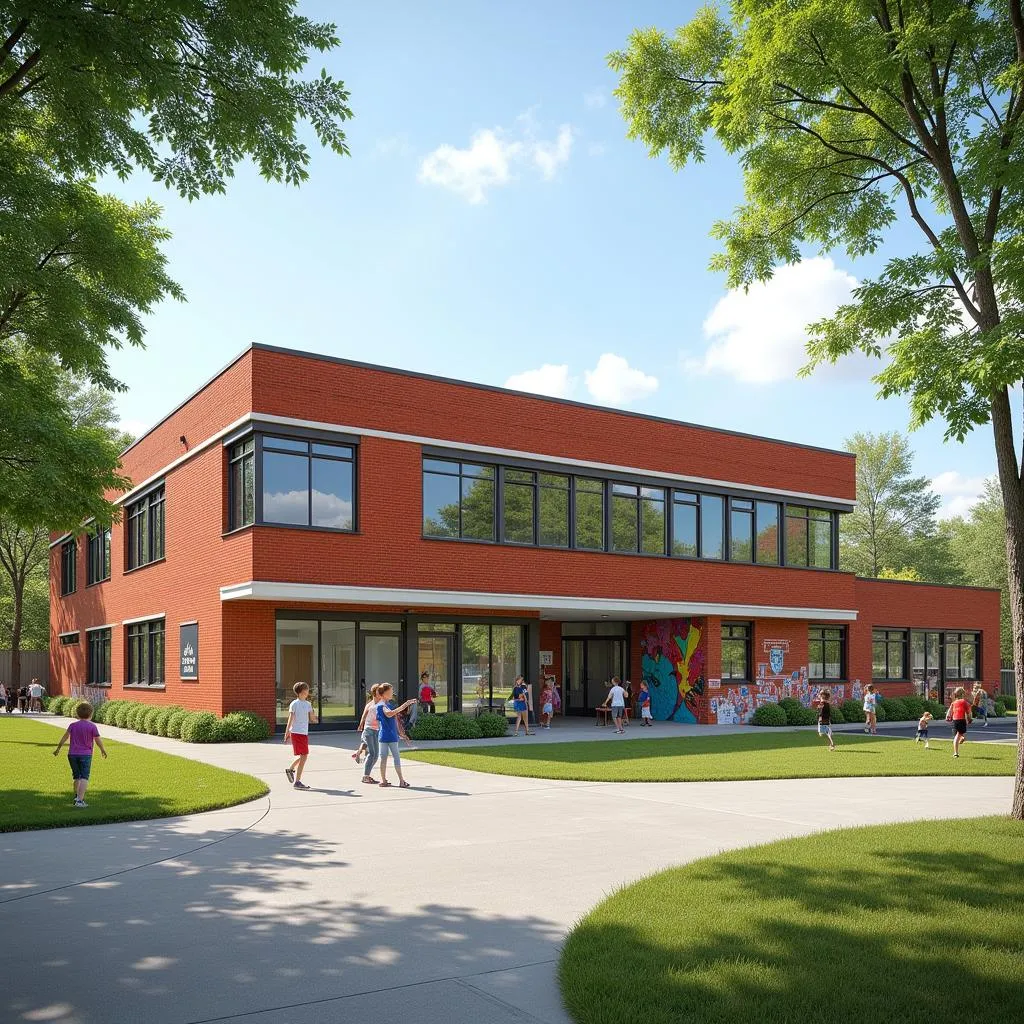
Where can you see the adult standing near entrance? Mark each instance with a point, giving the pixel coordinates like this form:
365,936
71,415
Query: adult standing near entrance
521,706
959,714
35,696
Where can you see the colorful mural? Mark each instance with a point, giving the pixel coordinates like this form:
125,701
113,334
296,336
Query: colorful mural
735,705
673,668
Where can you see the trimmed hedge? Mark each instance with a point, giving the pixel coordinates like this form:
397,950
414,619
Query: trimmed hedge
428,727
165,716
243,727
1010,701
148,719
894,710
492,725
853,710
174,723
201,727
1000,709
458,727
454,725
769,715
838,718
937,708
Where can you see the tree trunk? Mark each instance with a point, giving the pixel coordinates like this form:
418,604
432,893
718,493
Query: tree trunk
1013,503
18,588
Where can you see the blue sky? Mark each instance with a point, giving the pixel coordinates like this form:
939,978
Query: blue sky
493,222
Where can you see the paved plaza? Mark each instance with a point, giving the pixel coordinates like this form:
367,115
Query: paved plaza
446,902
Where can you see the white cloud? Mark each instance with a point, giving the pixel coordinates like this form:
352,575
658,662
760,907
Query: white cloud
595,99
493,157
614,382
959,493
758,336
551,380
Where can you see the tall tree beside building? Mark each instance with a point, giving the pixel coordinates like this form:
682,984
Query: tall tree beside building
977,545
848,118
893,526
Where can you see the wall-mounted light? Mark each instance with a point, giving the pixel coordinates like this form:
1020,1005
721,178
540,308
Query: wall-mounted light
184,440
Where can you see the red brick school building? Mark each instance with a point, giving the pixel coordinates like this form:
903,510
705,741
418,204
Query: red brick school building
305,517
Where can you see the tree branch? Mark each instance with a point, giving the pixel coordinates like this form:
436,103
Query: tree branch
12,83
13,39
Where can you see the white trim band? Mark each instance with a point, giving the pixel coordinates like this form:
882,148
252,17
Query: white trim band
72,632
190,622
144,618
96,629
257,590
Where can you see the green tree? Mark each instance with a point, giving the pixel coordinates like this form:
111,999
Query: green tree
23,565
848,116
895,511
977,545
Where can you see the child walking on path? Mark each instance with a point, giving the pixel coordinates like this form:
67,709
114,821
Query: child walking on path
870,716
300,715
922,728
646,718
959,714
80,736
824,703
547,704
369,727
388,733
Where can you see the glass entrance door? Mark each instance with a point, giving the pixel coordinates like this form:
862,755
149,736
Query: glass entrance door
381,660
436,657
589,665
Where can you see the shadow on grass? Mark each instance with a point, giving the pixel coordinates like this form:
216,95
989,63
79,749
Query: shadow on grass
909,935
263,919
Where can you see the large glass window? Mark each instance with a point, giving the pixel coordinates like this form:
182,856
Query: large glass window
741,530
888,654
242,484
638,519
712,526
553,495
68,567
961,656
145,642
338,686
926,663
519,502
826,653
98,654
767,532
736,650
298,654
684,524
589,495
492,657
98,555
458,500
145,528
809,537
308,483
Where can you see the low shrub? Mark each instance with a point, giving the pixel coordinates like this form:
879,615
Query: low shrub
838,718
119,716
428,727
55,705
916,706
458,727
802,716
175,720
1010,700
165,716
100,712
895,710
769,715
880,715
937,708
1000,709
133,720
790,704
853,710
492,725
244,727
201,727
149,719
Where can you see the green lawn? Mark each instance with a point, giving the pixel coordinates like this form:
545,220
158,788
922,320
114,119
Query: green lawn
753,755
133,783
913,923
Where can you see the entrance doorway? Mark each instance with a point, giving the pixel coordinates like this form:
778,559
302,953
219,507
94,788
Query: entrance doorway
380,659
435,655
589,664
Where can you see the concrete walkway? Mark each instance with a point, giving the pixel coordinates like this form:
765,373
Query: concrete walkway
446,902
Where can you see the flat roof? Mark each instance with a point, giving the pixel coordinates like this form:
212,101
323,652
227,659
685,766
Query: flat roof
359,364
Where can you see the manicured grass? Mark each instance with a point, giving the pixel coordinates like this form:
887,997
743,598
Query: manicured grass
754,755
133,783
914,923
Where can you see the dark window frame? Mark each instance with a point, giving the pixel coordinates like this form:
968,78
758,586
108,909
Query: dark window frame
816,638
735,633
464,469
241,456
68,639
98,556
98,662
890,638
68,567
964,638
809,514
264,442
145,521
141,649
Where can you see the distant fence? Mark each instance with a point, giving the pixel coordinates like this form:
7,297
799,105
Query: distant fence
34,665
1006,683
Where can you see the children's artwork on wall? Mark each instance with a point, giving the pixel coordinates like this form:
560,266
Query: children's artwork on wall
673,667
739,704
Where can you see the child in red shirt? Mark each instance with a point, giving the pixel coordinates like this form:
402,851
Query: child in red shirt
959,714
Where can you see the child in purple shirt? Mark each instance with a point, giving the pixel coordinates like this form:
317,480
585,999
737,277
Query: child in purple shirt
80,736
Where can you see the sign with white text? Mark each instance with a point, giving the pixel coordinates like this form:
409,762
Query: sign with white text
189,648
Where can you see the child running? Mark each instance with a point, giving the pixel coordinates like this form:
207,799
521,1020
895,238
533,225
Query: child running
388,732
959,714
646,718
922,728
824,703
300,715
80,736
